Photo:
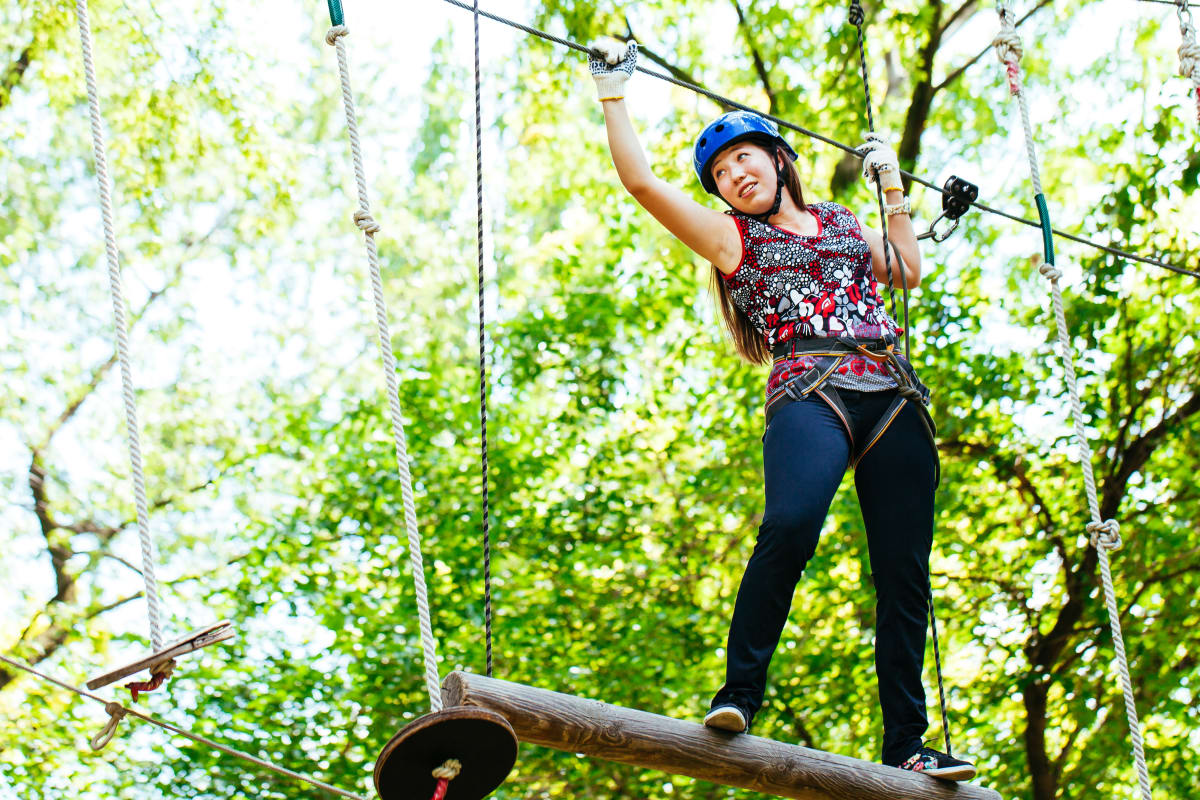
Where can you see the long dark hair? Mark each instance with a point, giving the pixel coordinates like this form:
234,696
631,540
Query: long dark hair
748,342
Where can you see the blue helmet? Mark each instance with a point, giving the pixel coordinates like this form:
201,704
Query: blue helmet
727,129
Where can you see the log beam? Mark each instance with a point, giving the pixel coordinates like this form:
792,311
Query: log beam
612,733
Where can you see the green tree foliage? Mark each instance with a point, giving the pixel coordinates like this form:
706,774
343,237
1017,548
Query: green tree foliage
624,473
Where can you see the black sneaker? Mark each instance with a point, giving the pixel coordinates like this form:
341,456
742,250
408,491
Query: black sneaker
939,765
727,717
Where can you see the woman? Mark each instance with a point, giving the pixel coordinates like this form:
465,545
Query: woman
797,284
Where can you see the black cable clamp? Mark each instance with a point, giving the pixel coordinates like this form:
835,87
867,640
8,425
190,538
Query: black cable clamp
957,197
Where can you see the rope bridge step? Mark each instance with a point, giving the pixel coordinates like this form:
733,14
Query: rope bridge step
612,733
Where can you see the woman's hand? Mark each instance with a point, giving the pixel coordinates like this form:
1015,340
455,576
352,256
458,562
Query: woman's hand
611,63
880,162
879,159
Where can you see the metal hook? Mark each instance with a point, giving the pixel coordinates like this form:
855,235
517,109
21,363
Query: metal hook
933,233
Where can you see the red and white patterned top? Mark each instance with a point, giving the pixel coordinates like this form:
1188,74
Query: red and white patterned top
812,286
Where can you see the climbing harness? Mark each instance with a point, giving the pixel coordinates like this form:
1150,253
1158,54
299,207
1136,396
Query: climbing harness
1104,536
160,662
957,197
831,353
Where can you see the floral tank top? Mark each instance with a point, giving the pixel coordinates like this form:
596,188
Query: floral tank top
812,286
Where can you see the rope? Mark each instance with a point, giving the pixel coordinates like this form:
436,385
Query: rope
1104,535
366,223
856,19
447,772
483,384
132,435
117,712
1189,51
729,103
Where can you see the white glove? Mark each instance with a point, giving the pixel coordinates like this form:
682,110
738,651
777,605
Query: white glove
611,63
879,158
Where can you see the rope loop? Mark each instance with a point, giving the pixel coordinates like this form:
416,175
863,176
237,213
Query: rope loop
366,222
1050,271
116,713
1105,535
448,770
335,33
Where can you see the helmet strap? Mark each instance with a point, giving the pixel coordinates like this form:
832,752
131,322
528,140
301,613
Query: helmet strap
765,217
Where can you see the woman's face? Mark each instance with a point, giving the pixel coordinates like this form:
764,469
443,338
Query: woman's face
745,176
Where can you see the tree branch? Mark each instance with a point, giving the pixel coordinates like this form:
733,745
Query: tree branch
13,74
759,65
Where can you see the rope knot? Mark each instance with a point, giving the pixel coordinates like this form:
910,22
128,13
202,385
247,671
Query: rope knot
1050,271
116,712
366,222
335,33
1009,50
158,676
1105,535
1189,54
448,770
856,14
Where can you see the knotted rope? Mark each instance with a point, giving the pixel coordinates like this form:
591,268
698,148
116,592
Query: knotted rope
367,224
1103,535
117,712
1189,51
132,434
447,772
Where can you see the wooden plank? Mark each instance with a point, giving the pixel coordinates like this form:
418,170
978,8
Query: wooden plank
612,733
217,632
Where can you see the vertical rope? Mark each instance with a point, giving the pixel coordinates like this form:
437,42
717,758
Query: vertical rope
132,434
483,435
369,227
1104,535
1189,51
856,19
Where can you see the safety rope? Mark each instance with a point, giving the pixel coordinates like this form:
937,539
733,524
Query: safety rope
857,17
367,224
117,712
1189,51
1105,536
729,103
483,382
132,433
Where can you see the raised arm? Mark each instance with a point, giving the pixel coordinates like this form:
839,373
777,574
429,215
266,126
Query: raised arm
709,233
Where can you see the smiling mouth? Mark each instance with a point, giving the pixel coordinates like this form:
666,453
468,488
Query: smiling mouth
747,189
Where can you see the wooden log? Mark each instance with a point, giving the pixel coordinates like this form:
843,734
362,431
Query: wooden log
612,733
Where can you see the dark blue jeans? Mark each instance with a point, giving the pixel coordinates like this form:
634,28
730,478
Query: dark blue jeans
805,453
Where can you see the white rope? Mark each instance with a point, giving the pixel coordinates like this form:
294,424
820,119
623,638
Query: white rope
1189,51
1105,535
117,711
118,304
369,227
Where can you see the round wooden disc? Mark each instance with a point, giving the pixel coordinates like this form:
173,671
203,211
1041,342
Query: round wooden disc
481,740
